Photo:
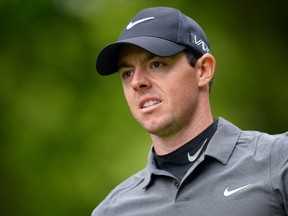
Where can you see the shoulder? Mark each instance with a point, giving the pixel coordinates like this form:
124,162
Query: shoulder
279,151
270,143
259,145
249,136
119,191
130,183
272,148
263,139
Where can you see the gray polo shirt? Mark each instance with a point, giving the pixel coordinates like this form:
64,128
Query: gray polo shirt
240,173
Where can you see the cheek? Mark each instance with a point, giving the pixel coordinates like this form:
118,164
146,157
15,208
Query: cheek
183,84
129,99
185,90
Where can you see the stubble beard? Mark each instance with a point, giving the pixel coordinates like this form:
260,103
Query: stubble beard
167,128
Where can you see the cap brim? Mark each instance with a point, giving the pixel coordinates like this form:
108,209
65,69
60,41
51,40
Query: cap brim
107,60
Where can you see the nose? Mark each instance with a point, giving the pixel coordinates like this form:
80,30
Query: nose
141,80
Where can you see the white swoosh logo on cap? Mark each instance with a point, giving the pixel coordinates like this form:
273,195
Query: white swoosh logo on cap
131,24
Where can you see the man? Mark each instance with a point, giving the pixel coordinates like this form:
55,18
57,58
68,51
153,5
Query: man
197,165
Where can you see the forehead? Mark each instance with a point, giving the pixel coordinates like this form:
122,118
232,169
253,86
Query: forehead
129,51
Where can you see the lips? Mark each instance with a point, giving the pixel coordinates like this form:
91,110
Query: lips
149,103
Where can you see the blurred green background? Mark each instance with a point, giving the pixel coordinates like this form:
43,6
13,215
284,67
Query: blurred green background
67,136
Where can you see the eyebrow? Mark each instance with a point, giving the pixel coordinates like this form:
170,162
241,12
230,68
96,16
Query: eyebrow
148,57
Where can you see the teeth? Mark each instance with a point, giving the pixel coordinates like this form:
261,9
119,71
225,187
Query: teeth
150,103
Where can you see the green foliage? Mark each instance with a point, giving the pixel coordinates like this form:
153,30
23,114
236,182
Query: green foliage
67,137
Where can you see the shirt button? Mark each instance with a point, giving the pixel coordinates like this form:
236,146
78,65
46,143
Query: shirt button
177,184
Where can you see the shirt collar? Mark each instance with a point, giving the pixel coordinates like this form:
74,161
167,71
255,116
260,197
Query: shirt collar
220,147
224,141
151,166
151,170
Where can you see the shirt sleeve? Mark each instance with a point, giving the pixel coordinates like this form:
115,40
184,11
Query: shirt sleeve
279,171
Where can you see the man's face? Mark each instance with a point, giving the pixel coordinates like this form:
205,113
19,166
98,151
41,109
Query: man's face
162,92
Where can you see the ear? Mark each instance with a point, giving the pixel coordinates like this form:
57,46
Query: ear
206,67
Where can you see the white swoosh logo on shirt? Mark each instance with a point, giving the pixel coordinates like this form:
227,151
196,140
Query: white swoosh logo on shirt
193,157
229,193
131,24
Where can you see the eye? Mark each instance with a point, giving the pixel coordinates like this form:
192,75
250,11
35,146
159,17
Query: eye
127,74
156,64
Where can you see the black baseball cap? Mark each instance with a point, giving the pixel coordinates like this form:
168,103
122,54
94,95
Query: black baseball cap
162,31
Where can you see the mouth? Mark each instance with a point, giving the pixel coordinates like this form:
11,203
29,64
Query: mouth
149,103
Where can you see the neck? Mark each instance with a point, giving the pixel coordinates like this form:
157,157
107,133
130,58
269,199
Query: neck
167,144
